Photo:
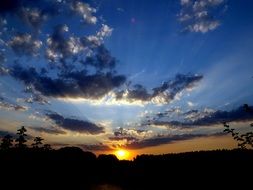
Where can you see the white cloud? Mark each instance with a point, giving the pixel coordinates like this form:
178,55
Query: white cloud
190,104
204,26
98,38
198,15
185,2
85,11
25,44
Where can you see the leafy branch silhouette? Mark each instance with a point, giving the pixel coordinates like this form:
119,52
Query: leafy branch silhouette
242,139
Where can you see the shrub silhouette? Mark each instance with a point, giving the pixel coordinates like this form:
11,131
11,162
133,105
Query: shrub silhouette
21,140
6,142
47,147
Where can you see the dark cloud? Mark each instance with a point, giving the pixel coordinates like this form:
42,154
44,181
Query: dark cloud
217,117
24,44
77,125
53,130
121,138
207,118
4,133
14,135
5,104
95,147
200,15
33,17
72,84
61,47
172,87
88,50
102,59
164,93
165,139
32,13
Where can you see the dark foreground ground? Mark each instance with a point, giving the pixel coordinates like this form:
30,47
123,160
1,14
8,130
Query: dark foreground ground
71,168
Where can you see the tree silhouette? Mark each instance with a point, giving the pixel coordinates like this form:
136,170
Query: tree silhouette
6,142
37,142
21,138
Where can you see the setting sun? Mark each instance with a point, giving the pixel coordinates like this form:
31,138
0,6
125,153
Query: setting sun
122,154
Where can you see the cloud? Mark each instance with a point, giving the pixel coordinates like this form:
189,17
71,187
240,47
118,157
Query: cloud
207,117
95,147
98,39
33,17
3,70
165,139
24,43
53,130
75,125
14,135
162,94
35,96
74,84
190,104
198,15
4,133
85,11
217,117
59,47
100,60
4,104
130,135
32,13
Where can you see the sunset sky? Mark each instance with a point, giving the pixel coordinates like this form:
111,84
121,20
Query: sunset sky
149,76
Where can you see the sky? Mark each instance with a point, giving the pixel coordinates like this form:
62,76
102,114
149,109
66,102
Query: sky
149,76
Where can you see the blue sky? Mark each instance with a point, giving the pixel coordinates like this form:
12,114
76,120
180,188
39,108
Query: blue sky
111,73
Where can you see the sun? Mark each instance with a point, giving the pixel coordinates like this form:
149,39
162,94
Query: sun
122,154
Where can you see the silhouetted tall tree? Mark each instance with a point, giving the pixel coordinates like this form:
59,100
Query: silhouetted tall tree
21,140
6,142
37,142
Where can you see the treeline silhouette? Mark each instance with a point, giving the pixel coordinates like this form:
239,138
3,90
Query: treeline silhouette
41,167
